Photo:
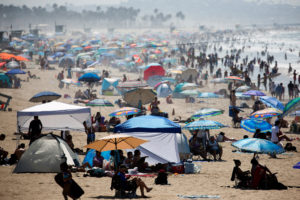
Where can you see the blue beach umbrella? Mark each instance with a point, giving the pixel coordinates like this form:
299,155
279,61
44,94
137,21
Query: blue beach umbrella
204,124
208,95
297,166
207,112
272,102
15,71
89,77
45,96
251,125
254,93
291,106
100,102
255,145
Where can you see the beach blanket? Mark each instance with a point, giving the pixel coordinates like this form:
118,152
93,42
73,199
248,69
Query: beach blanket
199,196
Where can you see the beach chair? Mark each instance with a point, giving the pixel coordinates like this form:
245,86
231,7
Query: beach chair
119,191
4,104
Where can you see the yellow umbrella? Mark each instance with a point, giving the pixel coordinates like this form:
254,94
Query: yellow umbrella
116,141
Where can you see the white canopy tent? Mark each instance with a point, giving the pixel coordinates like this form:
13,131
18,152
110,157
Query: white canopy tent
161,147
55,116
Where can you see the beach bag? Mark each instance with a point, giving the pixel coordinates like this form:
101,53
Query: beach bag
162,178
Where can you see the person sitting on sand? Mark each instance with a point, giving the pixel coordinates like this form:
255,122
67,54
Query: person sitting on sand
214,148
3,153
243,176
128,162
222,138
127,184
98,160
139,161
196,147
169,99
154,106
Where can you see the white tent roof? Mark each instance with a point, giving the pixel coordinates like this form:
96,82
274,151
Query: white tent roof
45,155
161,148
55,116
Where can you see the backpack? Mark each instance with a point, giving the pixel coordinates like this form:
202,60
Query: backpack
162,178
115,182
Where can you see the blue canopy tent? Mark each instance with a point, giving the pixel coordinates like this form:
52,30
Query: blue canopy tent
109,86
166,144
148,123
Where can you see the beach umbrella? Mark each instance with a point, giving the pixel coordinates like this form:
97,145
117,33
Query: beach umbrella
190,92
240,95
266,113
70,81
100,103
208,95
152,70
233,78
243,88
20,58
255,145
66,61
125,111
115,142
219,80
189,73
272,102
254,93
291,106
12,65
89,77
91,70
139,96
132,84
252,124
203,124
44,96
297,166
15,71
207,112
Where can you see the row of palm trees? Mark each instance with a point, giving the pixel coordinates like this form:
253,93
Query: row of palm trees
123,17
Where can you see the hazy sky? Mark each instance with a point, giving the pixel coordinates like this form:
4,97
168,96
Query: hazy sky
109,2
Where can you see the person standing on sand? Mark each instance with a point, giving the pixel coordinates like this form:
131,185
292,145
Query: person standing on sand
35,129
232,98
295,76
258,81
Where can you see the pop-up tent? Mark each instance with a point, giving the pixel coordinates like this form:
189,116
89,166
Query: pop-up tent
109,86
164,145
45,155
55,116
163,90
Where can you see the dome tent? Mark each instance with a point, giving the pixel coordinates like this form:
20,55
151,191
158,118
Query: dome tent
45,155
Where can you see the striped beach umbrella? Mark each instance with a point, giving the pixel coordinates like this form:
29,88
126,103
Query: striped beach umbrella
203,125
252,124
207,112
266,113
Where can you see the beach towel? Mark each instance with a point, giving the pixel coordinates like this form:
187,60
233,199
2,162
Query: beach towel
199,196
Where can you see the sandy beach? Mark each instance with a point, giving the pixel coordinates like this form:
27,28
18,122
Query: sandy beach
214,178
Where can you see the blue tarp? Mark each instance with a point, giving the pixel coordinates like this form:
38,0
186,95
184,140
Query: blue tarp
91,154
148,123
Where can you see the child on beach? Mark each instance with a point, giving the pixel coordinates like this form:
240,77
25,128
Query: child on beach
67,178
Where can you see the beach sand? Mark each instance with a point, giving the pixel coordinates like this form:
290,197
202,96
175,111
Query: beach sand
214,178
